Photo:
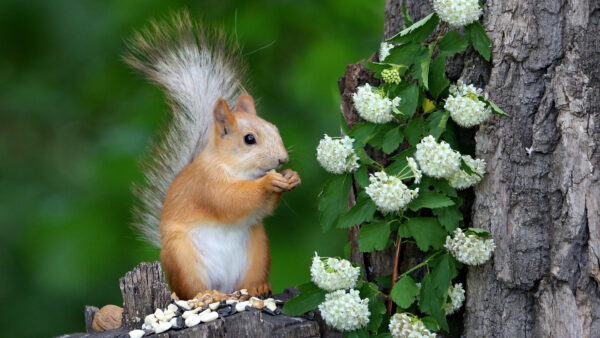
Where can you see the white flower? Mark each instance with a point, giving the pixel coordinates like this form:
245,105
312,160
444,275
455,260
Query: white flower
333,274
337,155
458,12
437,159
389,193
461,180
345,311
412,164
405,325
373,106
384,50
457,297
465,107
471,249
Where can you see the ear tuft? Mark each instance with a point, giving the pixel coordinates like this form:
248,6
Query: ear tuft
223,117
245,104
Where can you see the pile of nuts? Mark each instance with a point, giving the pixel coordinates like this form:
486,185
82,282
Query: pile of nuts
205,307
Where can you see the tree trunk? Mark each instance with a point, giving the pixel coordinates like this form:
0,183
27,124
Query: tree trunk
541,196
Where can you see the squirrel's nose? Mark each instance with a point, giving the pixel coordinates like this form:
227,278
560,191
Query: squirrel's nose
284,160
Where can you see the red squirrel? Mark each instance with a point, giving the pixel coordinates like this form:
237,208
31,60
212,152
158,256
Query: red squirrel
213,171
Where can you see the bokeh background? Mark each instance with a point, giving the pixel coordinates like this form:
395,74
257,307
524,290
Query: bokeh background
75,121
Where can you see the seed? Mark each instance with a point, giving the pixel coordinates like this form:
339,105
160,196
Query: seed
136,333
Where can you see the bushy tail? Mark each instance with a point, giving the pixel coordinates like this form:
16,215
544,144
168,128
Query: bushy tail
195,66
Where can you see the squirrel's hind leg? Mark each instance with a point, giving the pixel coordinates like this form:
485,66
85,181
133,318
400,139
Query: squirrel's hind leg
259,263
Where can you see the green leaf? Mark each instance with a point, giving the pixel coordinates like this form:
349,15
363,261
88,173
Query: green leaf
444,270
478,37
403,231
423,75
430,323
361,333
430,199
376,305
373,236
427,232
362,212
408,54
436,122
400,161
384,281
438,81
376,67
431,302
410,100
333,199
404,292
452,43
417,32
309,299
361,176
380,132
480,232
464,166
439,185
449,217
363,157
392,140
363,132
405,17
495,108
414,131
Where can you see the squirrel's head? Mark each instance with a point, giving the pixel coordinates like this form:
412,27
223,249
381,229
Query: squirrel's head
248,145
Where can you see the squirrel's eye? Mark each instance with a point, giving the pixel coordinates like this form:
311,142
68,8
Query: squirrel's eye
249,139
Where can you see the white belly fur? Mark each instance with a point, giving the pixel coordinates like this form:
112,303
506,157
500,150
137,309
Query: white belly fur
223,250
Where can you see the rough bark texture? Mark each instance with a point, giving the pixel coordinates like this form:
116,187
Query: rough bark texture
541,196
144,290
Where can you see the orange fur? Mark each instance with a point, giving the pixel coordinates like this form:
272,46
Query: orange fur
211,191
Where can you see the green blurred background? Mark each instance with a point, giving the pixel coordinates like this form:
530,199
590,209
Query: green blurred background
75,122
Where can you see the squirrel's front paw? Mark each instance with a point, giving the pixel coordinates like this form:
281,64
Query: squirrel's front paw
292,177
276,182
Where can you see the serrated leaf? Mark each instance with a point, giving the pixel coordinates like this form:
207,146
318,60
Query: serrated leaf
430,199
427,232
373,236
363,211
478,37
480,232
380,132
430,323
436,122
452,43
363,132
449,217
404,292
361,176
493,106
408,54
418,31
431,302
392,140
309,299
443,271
439,185
376,67
414,131
333,199
438,82
403,231
410,100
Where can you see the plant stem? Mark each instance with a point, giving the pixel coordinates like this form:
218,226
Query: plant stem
394,275
425,262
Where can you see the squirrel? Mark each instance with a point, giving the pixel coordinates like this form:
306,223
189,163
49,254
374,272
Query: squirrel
211,178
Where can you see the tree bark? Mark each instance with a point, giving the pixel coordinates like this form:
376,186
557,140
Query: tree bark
541,196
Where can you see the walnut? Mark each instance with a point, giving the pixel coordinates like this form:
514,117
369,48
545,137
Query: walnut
107,318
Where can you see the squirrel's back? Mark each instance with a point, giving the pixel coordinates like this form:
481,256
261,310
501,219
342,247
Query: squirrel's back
195,66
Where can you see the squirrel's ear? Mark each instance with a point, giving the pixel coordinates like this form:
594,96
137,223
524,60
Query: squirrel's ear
245,104
224,118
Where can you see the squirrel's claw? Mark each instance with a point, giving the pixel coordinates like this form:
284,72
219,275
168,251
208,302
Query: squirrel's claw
292,177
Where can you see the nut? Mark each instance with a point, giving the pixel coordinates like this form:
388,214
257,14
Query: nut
108,318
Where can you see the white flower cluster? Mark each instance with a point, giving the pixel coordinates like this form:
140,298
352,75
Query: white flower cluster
373,106
461,180
437,159
403,325
412,164
457,297
345,311
384,50
389,193
333,274
457,12
471,249
337,155
465,107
